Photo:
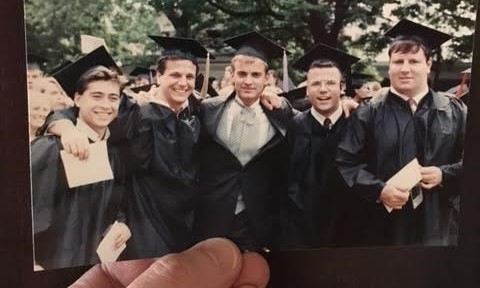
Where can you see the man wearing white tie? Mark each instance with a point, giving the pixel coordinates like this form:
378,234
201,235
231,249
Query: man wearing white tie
242,152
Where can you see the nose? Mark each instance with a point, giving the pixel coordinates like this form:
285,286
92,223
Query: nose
182,81
405,67
323,86
248,79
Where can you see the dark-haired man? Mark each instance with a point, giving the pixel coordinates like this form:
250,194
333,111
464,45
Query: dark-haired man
159,139
70,222
410,121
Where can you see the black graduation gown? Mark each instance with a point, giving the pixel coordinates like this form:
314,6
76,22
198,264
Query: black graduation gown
162,181
318,201
383,137
69,223
222,178
159,151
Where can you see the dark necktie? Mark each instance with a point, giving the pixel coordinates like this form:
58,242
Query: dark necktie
327,123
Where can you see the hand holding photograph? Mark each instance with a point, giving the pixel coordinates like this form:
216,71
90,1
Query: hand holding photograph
357,178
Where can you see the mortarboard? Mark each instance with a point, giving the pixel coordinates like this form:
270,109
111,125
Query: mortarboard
187,48
410,30
256,45
140,71
68,76
322,51
144,88
358,79
294,94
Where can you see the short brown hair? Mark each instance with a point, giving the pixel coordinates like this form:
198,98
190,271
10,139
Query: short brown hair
248,59
409,44
162,63
325,63
99,73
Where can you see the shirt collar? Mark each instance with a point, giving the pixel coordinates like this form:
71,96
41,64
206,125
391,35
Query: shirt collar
91,134
333,118
162,102
417,98
255,106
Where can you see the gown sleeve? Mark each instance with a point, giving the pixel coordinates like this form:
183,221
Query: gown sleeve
353,154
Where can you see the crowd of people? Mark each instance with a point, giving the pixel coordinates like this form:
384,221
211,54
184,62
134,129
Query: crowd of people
265,171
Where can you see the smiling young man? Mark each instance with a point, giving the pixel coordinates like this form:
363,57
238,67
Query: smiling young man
241,157
159,141
69,223
316,190
410,121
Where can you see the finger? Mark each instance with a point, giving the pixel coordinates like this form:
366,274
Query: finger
214,263
427,185
267,104
74,149
254,272
83,149
67,148
112,275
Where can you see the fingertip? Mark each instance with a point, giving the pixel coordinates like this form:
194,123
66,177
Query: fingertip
254,273
222,251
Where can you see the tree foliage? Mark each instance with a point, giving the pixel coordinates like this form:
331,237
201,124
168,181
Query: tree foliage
298,24
54,26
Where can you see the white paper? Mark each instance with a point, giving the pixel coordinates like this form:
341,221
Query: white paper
94,169
407,178
90,43
106,250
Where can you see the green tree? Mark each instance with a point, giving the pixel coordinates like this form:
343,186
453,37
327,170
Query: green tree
53,27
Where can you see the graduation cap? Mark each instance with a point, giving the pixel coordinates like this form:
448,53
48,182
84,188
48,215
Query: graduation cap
68,76
142,71
409,30
358,79
187,48
256,45
144,88
199,84
322,51
294,94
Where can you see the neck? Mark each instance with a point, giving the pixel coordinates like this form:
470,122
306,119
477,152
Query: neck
248,102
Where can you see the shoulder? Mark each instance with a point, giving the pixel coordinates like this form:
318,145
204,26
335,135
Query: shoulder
446,100
301,117
44,150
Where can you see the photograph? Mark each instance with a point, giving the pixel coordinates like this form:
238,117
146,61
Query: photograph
287,128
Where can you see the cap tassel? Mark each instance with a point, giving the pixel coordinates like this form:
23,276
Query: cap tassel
285,72
203,92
